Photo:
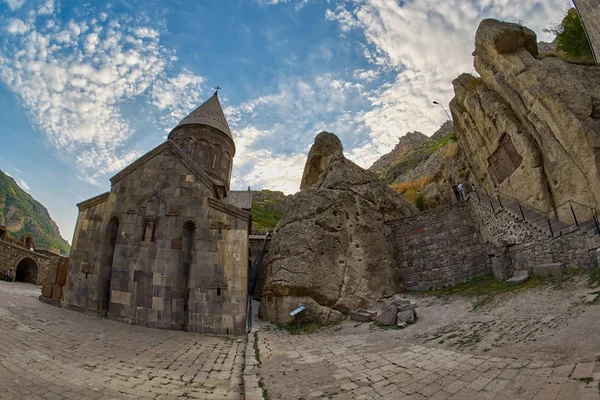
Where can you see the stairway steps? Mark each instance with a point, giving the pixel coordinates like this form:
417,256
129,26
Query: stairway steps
535,218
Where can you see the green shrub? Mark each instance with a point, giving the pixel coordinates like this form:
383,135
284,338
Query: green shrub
571,39
420,202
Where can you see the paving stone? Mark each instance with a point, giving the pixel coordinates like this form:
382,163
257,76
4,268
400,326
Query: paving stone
583,370
69,355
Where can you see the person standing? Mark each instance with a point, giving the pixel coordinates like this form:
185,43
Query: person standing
461,191
455,190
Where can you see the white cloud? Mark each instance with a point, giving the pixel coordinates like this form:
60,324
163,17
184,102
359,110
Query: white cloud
16,26
274,132
47,8
73,78
177,95
428,43
23,184
14,4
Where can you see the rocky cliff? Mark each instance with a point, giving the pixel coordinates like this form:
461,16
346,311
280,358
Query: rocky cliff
529,125
332,251
422,165
22,214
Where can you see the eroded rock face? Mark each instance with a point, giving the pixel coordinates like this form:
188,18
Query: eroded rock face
332,245
325,146
529,127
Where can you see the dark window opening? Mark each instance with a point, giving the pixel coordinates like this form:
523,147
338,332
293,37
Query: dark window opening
218,290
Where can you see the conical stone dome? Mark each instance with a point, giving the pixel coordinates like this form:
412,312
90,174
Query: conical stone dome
209,113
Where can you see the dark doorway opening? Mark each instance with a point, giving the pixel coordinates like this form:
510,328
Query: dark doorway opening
26,271
111,238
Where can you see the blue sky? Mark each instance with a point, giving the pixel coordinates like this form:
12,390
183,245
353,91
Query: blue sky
87,87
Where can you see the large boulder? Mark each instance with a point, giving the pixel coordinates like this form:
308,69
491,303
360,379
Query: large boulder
529,125
332,244
325,146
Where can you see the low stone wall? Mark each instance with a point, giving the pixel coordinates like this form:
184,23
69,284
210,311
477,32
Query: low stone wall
11,254
440,247
527,247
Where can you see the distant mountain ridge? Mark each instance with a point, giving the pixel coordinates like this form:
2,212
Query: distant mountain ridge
22,214
412,149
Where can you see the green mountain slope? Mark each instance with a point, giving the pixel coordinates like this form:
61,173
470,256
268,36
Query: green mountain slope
22,214
267,210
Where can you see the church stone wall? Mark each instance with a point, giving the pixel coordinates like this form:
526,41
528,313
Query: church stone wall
85,279
170,254
208,148
439,248
219,276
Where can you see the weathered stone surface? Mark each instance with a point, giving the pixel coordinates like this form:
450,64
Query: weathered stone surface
590,298
167,247
551,269
388,315
332,243
589,12
439,247
325,146
405,317
519,277
529,126
583,370
401,304
362,315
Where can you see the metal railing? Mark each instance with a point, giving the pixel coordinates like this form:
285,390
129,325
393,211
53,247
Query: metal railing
523,207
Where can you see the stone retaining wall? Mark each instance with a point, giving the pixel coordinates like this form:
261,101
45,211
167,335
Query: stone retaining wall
440,247
527,247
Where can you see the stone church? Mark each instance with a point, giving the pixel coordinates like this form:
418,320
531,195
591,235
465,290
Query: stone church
167,247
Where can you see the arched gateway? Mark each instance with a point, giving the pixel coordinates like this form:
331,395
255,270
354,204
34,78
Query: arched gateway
26,271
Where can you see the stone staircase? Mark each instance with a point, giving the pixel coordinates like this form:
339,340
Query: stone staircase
537,219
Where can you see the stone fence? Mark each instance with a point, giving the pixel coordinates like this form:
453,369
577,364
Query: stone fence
520,246
450,245
440,247
11,255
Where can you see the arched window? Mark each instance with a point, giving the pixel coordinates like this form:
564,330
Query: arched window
216,161
225,161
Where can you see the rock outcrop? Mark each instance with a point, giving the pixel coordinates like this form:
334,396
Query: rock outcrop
529,127
332,251
325,146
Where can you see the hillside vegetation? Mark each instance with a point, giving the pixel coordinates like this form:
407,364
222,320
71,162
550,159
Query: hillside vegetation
22,214
267,210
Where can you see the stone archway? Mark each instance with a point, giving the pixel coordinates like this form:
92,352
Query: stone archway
26,271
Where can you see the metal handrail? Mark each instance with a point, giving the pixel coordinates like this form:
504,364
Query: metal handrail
544,213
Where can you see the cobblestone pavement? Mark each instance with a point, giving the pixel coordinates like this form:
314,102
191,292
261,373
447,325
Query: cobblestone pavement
52,353
379,366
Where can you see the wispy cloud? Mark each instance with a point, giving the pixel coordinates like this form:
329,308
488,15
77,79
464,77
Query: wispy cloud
14,4
23,184
73,77
415,49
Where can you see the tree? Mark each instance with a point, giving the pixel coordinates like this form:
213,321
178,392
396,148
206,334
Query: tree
571,38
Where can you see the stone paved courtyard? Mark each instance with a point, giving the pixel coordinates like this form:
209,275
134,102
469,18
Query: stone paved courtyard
379,366
52,353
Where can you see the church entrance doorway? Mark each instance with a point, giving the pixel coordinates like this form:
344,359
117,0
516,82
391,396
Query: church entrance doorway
26,271
111,238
